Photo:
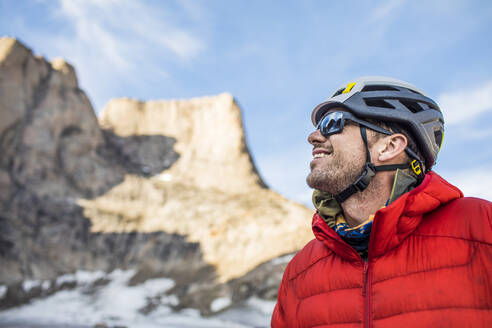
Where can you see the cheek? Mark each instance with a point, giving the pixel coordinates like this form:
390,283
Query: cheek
350,145
350,151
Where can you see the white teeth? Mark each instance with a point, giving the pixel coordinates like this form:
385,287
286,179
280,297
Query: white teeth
319,155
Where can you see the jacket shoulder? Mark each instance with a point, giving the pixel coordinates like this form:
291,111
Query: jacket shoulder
466,218
313,252
468,207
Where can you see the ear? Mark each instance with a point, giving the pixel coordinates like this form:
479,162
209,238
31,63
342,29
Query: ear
390,147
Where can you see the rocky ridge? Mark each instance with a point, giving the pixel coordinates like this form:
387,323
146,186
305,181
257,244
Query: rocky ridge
167,188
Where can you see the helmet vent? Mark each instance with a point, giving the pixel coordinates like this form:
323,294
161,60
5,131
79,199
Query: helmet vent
438,137
413,106
371,102
339,92
378,88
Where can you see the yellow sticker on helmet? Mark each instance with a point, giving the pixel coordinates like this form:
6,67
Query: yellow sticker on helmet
349,87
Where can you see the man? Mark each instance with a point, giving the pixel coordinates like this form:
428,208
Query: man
396,245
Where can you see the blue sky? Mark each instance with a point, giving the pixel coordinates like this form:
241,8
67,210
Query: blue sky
279,59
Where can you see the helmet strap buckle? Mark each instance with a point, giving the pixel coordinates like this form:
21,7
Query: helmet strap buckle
365,178
417,168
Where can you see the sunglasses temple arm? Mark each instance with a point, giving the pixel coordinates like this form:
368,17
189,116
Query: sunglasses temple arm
372,126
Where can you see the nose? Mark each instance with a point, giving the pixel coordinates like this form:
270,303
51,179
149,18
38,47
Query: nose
316,137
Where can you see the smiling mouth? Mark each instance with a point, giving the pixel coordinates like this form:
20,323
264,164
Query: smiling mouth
321,153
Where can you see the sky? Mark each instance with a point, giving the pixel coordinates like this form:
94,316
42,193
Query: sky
279,59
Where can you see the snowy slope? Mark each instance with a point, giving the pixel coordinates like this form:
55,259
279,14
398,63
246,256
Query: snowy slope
117,304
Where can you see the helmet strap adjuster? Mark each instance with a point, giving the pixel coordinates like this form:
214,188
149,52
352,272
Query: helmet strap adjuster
365,178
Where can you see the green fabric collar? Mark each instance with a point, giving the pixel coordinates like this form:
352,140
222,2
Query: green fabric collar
328,207
403,183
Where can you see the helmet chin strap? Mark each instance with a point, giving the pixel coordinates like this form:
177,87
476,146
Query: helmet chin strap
368,174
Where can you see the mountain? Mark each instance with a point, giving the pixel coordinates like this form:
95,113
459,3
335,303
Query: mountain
166,188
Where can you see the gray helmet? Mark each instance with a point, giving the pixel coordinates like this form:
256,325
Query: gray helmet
390,100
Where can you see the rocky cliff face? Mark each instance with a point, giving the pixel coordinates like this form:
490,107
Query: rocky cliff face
164,187
212,194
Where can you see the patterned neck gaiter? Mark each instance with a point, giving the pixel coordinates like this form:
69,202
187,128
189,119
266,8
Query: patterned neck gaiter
357,237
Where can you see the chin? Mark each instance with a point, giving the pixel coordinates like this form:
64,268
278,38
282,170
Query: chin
320,180
316,182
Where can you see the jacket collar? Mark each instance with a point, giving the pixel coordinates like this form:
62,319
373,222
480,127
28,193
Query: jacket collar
393,223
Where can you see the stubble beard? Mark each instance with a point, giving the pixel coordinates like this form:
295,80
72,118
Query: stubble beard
333,175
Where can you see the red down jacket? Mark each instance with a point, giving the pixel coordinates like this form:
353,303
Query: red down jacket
429,265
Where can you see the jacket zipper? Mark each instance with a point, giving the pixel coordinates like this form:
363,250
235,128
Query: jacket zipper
366,295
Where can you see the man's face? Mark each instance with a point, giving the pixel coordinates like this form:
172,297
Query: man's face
338,160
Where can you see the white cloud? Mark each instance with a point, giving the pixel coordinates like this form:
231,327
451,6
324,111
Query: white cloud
116,25
467,132
473,183
466,104
385,10
109,40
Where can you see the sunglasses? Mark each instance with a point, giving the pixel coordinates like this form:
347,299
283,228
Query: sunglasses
334,122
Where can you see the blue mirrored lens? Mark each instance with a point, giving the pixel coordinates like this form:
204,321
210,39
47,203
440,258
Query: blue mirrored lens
332,123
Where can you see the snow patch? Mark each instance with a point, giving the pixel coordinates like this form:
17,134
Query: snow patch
65,279
282,259
166,177
88,277
172,300
158,285
255,313
265,307
46,285
27,285
220,304
3,291
80,277
191,312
